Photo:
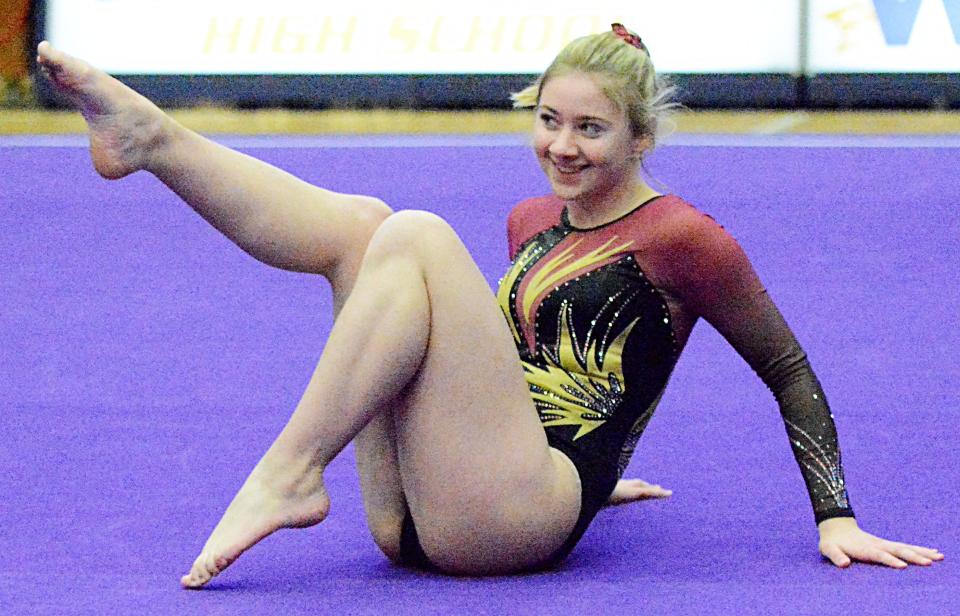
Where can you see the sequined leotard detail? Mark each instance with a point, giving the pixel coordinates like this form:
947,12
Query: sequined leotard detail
601,315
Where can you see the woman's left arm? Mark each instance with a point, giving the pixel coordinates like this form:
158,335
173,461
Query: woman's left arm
718,282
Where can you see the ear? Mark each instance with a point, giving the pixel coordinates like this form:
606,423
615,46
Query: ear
640,146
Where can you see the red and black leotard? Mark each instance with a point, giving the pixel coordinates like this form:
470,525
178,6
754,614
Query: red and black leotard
601,315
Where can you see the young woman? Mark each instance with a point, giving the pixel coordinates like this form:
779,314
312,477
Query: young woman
487,445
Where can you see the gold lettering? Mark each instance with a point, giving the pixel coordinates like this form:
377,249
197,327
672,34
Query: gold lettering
255,40
407,37
442,29
477,31
345,34
580,26
215,34
285,41
525,42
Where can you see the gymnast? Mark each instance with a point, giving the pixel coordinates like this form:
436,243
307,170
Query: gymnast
484,444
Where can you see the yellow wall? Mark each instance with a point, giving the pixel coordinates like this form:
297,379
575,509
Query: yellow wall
13,38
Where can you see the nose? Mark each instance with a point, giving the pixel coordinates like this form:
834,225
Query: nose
563,145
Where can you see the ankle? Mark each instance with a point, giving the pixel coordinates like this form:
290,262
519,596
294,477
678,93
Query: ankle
160,145
292,469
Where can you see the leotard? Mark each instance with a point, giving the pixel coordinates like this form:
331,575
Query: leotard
600,317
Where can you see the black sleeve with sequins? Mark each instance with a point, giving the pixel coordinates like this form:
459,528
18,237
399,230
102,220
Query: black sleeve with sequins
717,281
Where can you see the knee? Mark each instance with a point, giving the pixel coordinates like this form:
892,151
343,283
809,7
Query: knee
411,232
368,214
375,210
416,225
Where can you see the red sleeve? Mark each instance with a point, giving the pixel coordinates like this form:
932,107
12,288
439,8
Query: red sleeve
714,278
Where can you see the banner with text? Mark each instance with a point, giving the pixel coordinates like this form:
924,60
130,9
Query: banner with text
911,36
414,37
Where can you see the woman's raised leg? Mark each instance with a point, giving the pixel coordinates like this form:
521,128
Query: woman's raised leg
270,214
421,337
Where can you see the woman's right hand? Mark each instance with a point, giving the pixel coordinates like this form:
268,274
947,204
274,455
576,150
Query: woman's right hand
633,490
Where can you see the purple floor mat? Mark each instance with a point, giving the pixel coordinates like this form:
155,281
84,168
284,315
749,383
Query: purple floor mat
146,364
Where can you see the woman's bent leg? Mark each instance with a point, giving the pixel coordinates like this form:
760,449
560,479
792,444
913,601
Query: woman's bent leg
487,493
269,213
421,337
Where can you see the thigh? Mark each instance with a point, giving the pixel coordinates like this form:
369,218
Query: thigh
486,491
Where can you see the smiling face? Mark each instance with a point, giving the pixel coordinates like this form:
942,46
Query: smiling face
584,143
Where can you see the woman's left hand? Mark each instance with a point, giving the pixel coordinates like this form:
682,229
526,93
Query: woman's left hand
842,541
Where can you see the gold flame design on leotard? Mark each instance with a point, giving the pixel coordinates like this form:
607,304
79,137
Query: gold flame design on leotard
578,386
517,269
546,276
564,266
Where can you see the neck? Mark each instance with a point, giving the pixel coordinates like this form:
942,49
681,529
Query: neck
610,206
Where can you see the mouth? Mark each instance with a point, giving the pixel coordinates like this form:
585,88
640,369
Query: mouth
567,170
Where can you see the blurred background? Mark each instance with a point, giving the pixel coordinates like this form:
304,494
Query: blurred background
299,66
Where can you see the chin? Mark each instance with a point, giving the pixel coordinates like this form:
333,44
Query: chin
567,192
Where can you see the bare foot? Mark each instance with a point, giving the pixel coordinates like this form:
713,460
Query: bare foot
125,128
268,501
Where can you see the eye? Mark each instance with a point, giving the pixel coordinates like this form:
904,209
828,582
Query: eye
548,120
591,129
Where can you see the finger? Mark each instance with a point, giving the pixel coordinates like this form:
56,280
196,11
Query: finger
911,555
885,558
638,489
836,555
931,553
652,491
635,482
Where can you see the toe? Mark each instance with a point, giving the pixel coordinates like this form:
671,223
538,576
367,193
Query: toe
199,574
212,567
48,54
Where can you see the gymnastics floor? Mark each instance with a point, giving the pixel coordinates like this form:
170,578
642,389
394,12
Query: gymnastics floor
146,364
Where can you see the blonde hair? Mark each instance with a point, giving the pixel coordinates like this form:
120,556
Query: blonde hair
625,75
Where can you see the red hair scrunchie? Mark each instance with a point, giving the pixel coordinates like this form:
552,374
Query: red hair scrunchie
628,36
